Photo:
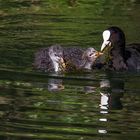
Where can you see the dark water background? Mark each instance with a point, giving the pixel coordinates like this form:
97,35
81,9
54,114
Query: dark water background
96,105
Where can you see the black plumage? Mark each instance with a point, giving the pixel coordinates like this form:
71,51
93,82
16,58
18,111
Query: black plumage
121,56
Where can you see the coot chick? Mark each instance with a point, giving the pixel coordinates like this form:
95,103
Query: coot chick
50,59
80,58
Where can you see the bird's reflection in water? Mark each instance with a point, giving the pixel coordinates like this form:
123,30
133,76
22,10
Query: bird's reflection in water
55,85
111,94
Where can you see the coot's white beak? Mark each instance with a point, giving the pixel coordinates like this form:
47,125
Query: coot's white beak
106,42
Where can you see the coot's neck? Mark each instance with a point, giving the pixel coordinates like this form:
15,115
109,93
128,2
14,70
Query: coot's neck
88,65
118,56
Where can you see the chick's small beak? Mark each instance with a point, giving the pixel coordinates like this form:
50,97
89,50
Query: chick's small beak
105,44
97,54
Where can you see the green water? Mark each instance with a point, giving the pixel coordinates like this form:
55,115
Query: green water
71,106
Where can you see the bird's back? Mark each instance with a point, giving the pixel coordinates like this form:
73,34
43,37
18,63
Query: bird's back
73,57
42,61
132,56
